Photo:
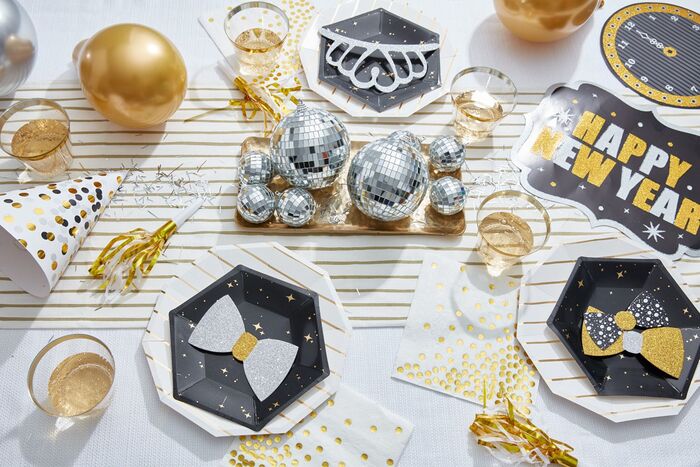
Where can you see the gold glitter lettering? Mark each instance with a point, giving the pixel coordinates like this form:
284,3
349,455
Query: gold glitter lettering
688,217
588,127
592,166
646,192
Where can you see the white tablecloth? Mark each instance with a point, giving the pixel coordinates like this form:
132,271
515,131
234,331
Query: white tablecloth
137,430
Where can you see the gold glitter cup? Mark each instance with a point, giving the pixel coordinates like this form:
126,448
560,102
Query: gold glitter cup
511,226
72,377
258,31
482,98
37,133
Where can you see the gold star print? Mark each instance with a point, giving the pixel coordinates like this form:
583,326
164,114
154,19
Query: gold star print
608,377
247,415
308,338
290,298
580,284
230,285
224,370
685,311
276,404
620,274
257,326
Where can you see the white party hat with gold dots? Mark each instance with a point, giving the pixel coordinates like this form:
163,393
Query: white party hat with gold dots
42,228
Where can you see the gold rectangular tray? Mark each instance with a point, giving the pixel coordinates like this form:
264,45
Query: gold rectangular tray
336,214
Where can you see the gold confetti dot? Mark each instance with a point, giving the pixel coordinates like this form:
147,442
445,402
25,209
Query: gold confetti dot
38,211
31,226
41,254
16,205
348,422
426,326
338,441
54,265
364,456
398,430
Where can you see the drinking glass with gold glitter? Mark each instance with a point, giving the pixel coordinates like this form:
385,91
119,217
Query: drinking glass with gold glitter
511,225
72,377
482,98
37,133
258,31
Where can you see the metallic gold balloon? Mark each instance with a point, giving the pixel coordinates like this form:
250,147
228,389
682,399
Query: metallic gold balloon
545,20
131,74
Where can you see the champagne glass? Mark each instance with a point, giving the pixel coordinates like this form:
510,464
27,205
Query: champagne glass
37,133
258,31
482,98
71,378
511,225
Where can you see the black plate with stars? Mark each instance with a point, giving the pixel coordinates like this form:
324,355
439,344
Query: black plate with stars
654,49
611,285
270,309
383,27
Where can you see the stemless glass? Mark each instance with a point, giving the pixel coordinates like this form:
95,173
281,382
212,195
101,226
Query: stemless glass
258,31
482,97
511,225
72,377
37,132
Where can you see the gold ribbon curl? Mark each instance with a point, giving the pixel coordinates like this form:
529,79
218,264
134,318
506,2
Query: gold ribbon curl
270,99
516,434
138,247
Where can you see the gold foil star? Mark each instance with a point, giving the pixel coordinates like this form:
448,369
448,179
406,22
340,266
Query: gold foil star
257,326
308,337
290,298
580,284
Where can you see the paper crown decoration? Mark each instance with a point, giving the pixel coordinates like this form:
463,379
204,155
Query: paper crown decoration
266,362
42,228
604,335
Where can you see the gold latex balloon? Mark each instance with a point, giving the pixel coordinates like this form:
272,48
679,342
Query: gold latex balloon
131,74
545,20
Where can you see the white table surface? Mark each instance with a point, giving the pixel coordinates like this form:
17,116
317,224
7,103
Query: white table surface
138,430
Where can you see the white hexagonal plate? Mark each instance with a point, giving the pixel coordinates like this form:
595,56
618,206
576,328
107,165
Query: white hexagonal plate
538,295
274,260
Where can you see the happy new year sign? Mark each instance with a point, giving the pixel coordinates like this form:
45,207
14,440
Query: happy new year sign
622,166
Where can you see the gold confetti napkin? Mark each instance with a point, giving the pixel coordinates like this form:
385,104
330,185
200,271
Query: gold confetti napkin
347,430
460,336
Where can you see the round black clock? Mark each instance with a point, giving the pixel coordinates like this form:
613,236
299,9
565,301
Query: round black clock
654,49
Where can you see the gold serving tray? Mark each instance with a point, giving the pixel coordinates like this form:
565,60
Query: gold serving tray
335,213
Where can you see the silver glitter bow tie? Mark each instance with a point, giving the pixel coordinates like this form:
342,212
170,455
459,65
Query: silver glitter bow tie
266,362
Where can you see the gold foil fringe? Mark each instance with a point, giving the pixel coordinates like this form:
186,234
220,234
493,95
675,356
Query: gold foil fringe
513,438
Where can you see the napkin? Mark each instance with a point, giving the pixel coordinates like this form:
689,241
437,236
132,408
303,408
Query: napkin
460,336
347,430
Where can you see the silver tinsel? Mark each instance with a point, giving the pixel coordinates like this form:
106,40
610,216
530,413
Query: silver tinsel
408,138
256,203
255,168
447,153
448,195
387,180
296,207
309,147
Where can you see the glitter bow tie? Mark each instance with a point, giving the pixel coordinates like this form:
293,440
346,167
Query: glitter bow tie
604,334
266,362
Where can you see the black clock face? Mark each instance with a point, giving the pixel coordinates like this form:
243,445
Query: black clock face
654,49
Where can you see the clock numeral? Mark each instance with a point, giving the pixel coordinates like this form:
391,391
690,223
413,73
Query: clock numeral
629,25
622,45
696,27
694,88
652,17
674,18
669,88
630,62
643,79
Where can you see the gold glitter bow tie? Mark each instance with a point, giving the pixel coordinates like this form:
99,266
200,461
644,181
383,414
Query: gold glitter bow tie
662,346
266,362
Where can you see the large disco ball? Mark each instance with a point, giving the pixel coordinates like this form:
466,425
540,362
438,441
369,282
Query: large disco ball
18,46
309,147
387,180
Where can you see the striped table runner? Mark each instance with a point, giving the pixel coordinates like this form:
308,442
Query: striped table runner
375,275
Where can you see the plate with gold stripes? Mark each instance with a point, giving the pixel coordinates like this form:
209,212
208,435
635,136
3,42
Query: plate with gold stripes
276,261
539,294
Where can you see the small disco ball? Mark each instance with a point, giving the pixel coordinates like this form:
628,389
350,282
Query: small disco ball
309,147
256,203
296,207
408,138
387,180
448,195
447,153
255,168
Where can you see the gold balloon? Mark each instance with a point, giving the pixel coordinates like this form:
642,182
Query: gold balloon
545,20
131,74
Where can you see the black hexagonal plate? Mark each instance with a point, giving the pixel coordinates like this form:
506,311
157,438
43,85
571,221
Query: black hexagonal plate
384,27
611,285
270,309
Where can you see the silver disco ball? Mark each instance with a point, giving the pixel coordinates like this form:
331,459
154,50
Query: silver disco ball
408,138
18,46
309,147
447,153
387,180
296,207
448,195
256,203
255,168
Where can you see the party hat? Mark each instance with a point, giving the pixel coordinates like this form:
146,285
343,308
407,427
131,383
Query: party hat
42,228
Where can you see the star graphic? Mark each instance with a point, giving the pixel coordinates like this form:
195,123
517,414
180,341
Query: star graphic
257,326
564,117
308,337
621,356
276,404
695,336
582,187
230,285
680,236
580,284
627,210
653,231
224,370
262,333
290,298
191,325
685,311
688,358
608,377
620,274
247,415
541,169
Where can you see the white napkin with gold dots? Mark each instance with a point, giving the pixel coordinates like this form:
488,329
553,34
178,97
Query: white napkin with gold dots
347,430
460,335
